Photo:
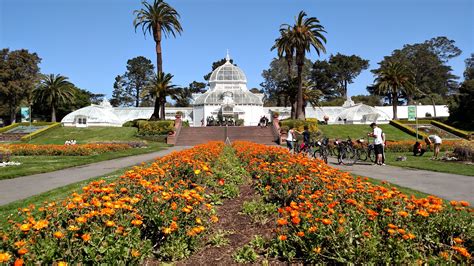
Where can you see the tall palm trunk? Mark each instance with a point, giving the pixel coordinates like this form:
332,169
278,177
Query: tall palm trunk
159,68
12,114
394,105
299,96
53,114
162,110
434,106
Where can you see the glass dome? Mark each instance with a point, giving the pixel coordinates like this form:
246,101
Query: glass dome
363,113
228,72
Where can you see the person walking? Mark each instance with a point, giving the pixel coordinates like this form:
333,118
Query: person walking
290,139
378,143
436,141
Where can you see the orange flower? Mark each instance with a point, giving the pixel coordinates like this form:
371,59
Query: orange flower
58,235
22,251
463,251
81,219
401,231
464,203
73,228
86,237
214,219
62,263
422,213
25,227
408,236
295,220
282,222
326,221
317,250
135,253
5,257
403,213
312,229
444,255
391,231
300,234
457,240
19,244
167,230
137,222
282,237
110,223
392,226
18,262
41,224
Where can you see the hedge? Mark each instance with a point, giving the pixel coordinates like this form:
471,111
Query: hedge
5,129
407,129
450,129
152,128
40,131
312,124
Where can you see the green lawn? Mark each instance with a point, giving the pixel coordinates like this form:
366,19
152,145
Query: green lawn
360,131
42,164
86,135
425,163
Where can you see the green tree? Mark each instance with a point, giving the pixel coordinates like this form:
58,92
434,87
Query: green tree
157,19
393,78
159,88
120,97
345,69
372,100
198,87
19,74
182,96
215,65
54,90
138,74
323,75
461,108
304,34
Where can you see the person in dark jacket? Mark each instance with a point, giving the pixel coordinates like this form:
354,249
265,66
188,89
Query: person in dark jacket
418,149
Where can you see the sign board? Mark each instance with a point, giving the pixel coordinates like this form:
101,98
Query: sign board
411,113
25,114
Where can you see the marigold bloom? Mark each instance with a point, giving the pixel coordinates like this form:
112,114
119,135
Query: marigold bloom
312,229
135,253
391,231
62,263
25,227
197,171
137,222
18,262
457,240
300,234
5,257
408,236
392,226
81,219
403,213
401,231
167,230
58,235
41,224
463,251
282,237
73,228
22,251
86,237
317,250
444,255
296,220
282,222
464,203
326,221
19,244
110,223
422,213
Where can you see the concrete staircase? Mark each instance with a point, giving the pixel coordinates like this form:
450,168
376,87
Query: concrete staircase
190,136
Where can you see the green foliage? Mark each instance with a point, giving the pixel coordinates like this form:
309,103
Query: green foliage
371,100
40,131
245,254
346,69
19,73
312,124
148,128
360,131
54,91
239,122
407,129
133,123
219,238
259,211
461,109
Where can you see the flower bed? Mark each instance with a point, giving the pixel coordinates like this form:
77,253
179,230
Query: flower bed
328,216
160,209
407,145
64,150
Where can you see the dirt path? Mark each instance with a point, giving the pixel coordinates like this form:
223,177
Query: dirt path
241,226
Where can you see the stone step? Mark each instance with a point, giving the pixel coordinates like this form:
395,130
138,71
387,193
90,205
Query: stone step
197,135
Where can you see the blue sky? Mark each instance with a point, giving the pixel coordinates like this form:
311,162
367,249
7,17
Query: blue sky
90,41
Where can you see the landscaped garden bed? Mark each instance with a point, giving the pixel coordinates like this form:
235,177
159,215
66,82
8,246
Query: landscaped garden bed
166,211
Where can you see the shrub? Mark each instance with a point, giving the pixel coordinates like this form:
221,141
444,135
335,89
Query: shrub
300,124
133,123
239,122
407,145
407,129
455,131
152,128
465,151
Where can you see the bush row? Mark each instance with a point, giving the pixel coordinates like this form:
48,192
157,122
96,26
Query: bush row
407,129
64,150
150,128
311,123
455,131
328,216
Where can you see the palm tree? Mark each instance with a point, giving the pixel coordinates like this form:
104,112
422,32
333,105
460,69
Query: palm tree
394,78
182,96
306,33
157,19
159,87
54,90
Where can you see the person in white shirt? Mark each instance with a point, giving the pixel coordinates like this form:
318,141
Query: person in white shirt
290,139
378,143
436,140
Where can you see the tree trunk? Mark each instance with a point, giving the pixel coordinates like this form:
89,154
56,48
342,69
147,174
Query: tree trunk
156,110
434,107
159,59
163,114
299,98
12,114
394,105
293,109
53,114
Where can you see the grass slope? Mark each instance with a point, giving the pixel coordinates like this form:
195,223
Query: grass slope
42,164
87,135
425,163
360,131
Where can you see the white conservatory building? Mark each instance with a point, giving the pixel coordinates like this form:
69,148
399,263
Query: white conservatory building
228,96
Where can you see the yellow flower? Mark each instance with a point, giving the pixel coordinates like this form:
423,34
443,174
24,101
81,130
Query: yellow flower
317,250
167,230
197,171
62,263
73,228
135,253
5,257
110,223
25,227
58,235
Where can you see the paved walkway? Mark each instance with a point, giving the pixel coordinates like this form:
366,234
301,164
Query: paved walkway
443,185
27,186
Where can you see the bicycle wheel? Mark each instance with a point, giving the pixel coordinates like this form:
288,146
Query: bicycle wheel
371,155
324,154
362,154
317,153
350,157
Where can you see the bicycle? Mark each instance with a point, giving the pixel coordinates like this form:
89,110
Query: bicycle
365,152
321,150
345,152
